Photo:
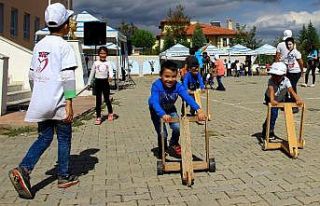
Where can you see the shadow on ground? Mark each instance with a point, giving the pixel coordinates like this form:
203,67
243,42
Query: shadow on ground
79,165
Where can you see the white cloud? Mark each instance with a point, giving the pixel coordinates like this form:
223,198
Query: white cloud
291,20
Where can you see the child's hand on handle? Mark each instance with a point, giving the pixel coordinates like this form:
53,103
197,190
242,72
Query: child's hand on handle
166,118
274,102
190,92
69,111
299,102
201,115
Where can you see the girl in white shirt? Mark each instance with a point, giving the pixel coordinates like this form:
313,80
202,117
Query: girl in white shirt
102,71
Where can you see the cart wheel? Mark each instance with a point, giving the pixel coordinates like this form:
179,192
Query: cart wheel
159,168
295,153
212,165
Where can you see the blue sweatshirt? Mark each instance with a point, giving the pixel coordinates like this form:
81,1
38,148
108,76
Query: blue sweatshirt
193,82
162,99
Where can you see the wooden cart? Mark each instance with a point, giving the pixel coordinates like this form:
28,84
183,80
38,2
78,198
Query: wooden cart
186,166
292,144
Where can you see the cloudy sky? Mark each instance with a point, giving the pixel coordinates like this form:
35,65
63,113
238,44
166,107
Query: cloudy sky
270,16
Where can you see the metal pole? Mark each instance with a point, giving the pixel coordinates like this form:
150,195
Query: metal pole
49,2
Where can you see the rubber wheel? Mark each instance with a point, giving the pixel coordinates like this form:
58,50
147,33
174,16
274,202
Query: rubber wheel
264,145
159,168
212,165
184,181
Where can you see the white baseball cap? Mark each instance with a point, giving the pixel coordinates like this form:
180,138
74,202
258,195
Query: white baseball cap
56,15
278,68
287,34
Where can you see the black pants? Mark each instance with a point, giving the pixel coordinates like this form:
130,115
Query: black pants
102,87
294,79
312,67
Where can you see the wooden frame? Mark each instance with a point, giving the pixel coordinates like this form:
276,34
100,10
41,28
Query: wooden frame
292,144
187,166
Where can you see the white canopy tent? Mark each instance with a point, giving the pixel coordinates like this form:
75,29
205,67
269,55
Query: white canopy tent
87,17
213,50
266,50
176,52
241,51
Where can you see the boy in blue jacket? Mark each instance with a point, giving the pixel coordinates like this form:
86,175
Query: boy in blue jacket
193,80
164,94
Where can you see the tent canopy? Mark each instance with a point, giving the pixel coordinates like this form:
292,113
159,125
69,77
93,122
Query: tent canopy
176,51
213,50
109,45
241,50
266,49
82,17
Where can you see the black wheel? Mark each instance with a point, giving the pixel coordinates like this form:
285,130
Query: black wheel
184,181
159,168
212,165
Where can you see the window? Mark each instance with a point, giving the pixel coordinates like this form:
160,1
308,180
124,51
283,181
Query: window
14,23
26,26
1,18
225,42
36,24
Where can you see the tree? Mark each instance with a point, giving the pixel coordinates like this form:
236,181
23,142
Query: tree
177,21
198,38
308,36
127,29
143,38
247,38
168,40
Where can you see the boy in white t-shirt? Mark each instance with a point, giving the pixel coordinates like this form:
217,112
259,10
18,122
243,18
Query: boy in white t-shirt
278,87
52,78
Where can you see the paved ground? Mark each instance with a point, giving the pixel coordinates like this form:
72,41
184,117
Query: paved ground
117,165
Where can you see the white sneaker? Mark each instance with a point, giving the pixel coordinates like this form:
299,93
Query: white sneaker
312,85
304,85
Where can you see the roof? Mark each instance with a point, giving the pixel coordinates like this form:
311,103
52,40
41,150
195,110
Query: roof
209,30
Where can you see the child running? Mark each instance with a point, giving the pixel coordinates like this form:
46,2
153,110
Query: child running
193,80
102,70
52,79
278,86
164,94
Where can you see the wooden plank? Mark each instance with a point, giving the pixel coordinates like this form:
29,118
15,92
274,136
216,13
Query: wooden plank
291,129
176,166
186,154
197,97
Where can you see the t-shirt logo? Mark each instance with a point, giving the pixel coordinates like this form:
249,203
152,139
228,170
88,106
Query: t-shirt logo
43,61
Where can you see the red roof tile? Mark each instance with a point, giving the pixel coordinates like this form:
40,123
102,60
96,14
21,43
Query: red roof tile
209,30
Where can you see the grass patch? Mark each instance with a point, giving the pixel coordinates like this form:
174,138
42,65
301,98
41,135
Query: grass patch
79,121
12,132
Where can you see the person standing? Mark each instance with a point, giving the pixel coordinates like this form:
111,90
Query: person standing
102,71
312,65
219,71
294,64
52,80
282,50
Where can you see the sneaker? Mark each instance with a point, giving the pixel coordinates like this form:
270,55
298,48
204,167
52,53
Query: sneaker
98,121
304,85
110,117
177,149
21,182
65,182
312,85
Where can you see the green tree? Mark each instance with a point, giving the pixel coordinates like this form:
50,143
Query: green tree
247,38
308,36
198,38
143,38
168,40
177,21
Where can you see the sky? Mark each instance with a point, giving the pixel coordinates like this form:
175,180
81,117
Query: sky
271,17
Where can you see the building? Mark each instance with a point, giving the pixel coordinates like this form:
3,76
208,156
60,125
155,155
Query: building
20,19
213,31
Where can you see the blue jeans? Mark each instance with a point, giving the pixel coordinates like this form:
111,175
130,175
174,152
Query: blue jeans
174,126
273,118
46,131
